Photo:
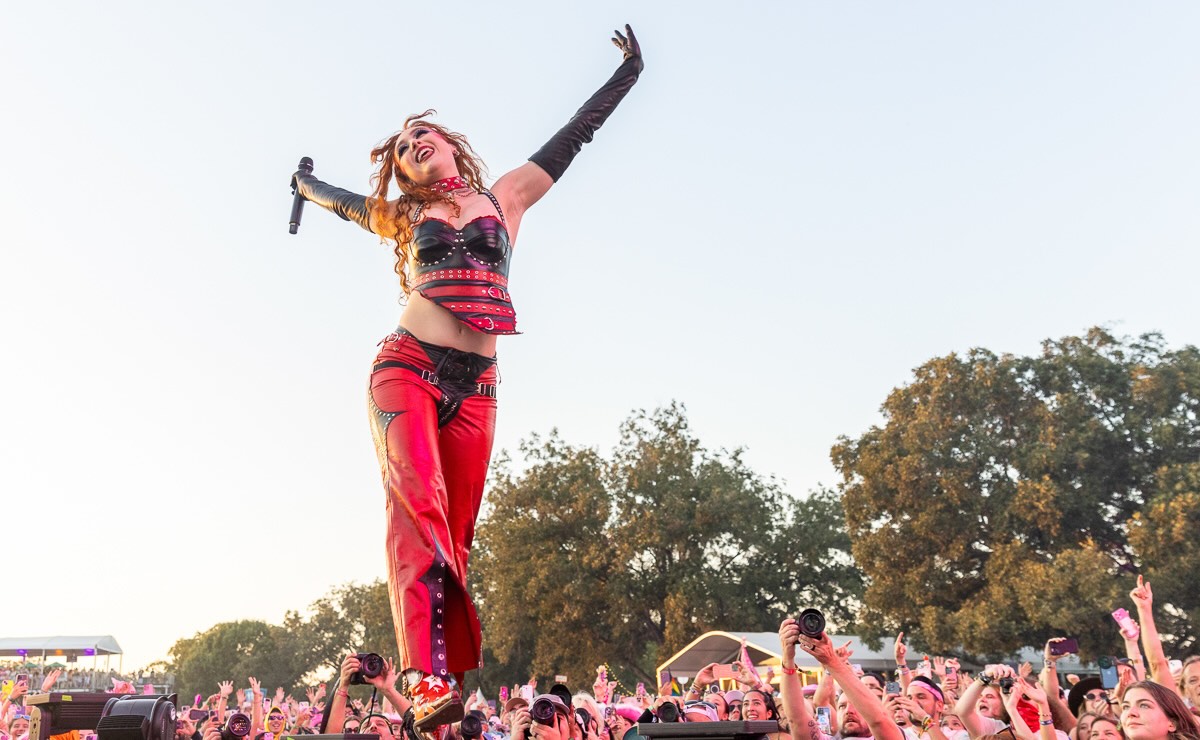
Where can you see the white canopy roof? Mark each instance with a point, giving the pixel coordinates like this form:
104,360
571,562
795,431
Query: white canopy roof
35,646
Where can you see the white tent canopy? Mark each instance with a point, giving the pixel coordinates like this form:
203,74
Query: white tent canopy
763,649
31,647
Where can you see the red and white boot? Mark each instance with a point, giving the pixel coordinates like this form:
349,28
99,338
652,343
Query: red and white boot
436,702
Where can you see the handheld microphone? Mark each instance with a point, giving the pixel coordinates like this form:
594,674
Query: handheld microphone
306,164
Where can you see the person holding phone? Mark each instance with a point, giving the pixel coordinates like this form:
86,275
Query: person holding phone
432,396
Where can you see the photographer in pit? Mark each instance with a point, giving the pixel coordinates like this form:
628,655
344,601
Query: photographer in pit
547,718
855,695
384,683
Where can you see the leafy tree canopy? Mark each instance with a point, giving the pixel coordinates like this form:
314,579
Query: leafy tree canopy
1006,499
626,558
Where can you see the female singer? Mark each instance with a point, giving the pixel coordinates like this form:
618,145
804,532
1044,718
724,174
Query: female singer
433,386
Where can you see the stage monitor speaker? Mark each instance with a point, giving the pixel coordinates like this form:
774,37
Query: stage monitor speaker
56,713
138,717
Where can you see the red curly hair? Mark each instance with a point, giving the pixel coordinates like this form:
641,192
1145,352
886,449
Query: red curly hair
393,221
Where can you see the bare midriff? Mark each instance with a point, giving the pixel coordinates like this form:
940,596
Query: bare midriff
431,323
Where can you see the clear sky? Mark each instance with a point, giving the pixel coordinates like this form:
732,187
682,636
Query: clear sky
797,204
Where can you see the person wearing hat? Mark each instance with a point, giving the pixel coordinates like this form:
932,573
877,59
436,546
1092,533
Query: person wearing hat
620,718
1089,695
511,706
733,699
699,711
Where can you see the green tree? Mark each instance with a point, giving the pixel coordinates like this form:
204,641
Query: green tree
350,618
1166,535
992,507
234,651
583,559
542,564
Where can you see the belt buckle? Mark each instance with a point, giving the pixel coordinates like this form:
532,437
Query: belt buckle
491,324
429,377
498,294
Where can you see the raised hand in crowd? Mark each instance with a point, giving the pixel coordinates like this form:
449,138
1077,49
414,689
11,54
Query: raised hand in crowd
256,706
747,676
520,722
336,707
48,681
802,724
1022,689
1160,669
602,687
212,732
1063,719
185,727
705,678
900,653
386,683
19,689
855,693
279,696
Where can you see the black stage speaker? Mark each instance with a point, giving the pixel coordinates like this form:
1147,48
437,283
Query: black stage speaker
56,713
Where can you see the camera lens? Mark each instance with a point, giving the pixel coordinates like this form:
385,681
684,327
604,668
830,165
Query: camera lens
542,712
1006,685
1104,661
668,712
370,665
471,726
238,725
812,623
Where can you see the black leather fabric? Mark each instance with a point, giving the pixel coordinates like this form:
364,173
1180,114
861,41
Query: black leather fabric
350,206
556,155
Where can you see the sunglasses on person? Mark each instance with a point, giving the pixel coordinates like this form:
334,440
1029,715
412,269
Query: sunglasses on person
1095,695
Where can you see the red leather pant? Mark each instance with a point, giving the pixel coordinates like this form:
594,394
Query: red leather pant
433,414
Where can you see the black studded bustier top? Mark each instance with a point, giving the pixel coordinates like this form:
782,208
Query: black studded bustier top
465,271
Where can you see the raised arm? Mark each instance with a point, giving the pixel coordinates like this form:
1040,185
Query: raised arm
1049,683
526,185
347,205
1160,670
386,683
859,696
900,653
967,708
801,722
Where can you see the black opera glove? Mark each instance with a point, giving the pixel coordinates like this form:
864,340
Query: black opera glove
555,156
350,206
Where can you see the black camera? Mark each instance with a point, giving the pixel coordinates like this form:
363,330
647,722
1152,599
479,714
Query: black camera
543,711
370,665
583,718
1006,684
668,711
471,725
811,622
237,726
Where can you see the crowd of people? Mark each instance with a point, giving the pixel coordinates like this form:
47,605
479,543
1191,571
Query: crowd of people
80,679
1150,698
